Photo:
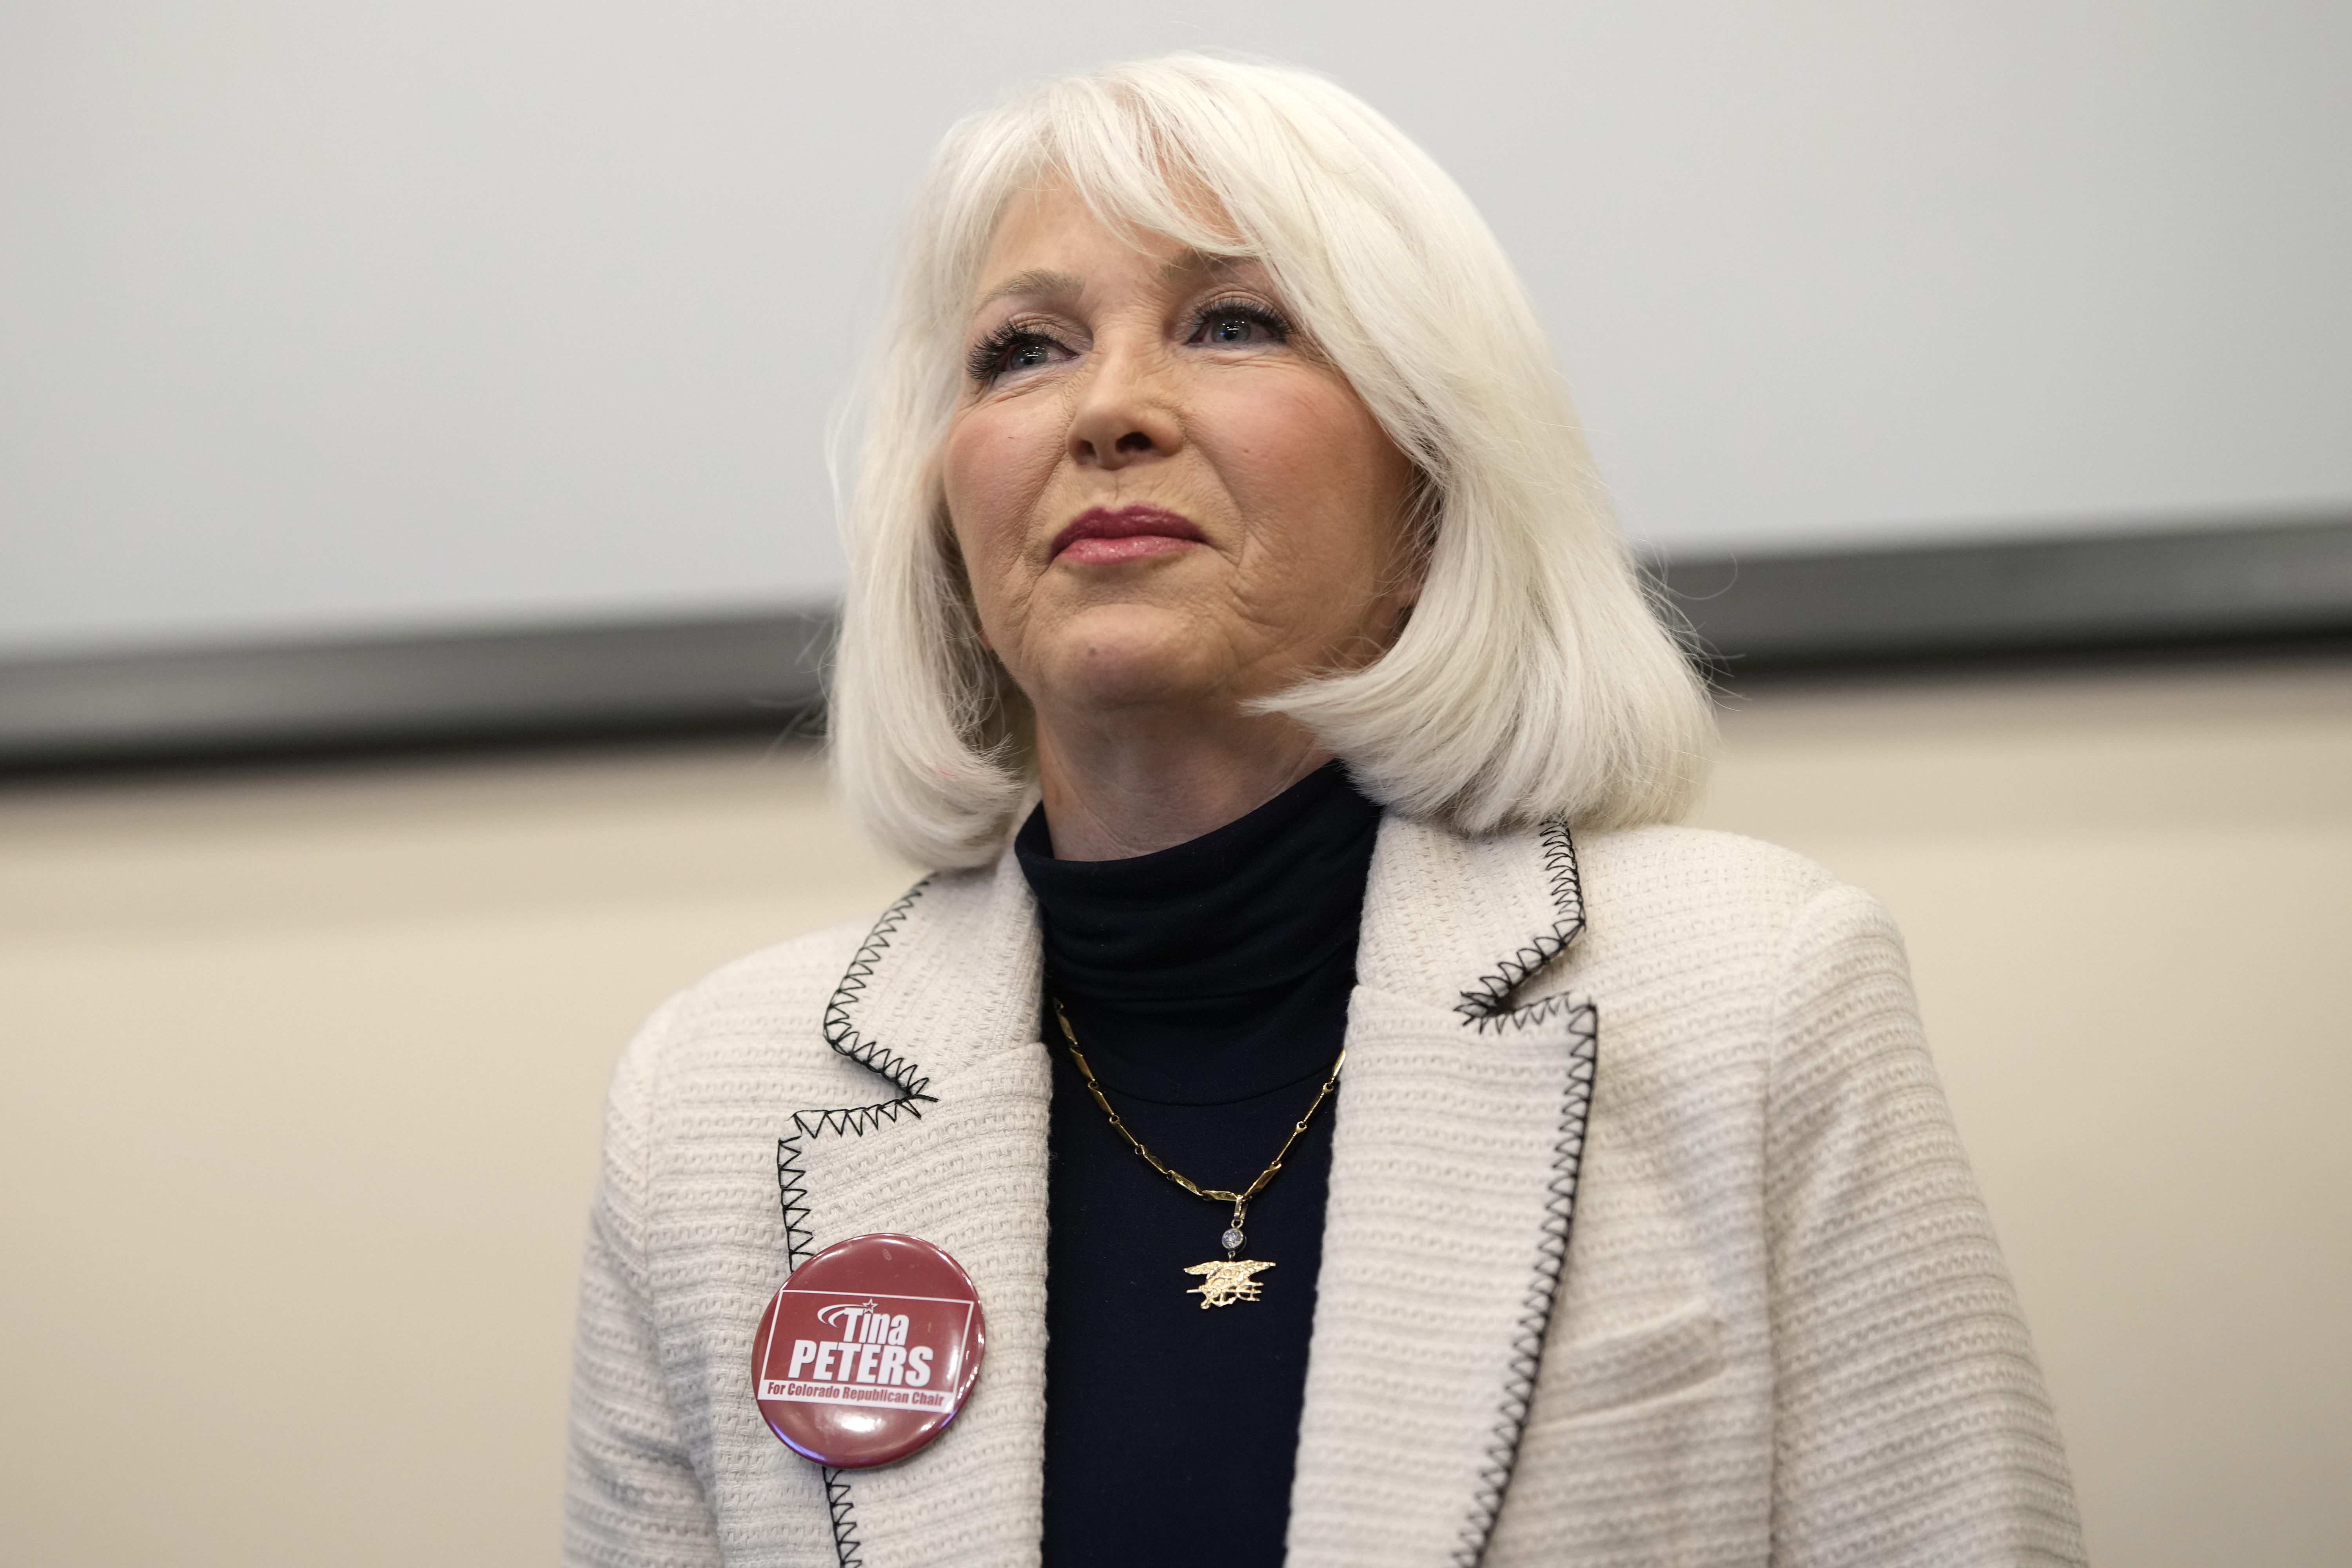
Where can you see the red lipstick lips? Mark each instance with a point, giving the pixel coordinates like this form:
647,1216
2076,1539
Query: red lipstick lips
1100,535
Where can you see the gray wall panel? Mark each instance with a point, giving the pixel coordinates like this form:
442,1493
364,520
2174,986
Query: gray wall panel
2032,599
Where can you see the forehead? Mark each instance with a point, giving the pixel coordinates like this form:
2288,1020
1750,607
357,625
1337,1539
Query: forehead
1050,240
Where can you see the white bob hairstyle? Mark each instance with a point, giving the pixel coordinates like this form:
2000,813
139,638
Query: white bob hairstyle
1534,680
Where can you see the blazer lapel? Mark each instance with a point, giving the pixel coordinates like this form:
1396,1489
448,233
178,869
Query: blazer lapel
1460,1126
941,1004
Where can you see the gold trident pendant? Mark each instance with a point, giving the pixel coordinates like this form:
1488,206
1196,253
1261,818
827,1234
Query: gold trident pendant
1226,1281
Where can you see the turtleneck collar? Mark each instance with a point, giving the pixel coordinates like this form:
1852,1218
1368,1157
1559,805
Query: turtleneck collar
1184,970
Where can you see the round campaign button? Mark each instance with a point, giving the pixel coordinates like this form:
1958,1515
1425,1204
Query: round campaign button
869,1351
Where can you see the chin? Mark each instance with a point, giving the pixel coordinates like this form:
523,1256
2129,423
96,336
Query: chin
1116,660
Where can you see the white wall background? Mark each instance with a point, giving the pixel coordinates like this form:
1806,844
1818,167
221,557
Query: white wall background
363,315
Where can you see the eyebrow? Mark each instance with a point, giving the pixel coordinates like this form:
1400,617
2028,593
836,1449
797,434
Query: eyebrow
1047,283
1188,263
1037,280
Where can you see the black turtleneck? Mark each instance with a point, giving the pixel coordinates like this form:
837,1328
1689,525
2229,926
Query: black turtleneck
1208,984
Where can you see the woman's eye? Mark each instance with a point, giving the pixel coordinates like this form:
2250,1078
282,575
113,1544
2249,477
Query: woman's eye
1011,353
1238,329
1027,353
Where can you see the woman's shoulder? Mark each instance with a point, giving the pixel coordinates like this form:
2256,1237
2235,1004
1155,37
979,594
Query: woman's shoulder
1711,954
781,977
759,1019
1674,896
1671,862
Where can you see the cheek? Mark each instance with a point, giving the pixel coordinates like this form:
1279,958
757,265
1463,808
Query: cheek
1319,480
993,467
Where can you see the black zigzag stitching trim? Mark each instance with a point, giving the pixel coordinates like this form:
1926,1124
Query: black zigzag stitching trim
798,1237
845,1544
1489,1005
1543,1293
840,1033
858,1120
1534,1013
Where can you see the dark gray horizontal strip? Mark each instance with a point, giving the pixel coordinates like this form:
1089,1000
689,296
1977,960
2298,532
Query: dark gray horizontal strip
614,677
2247,585
2282,582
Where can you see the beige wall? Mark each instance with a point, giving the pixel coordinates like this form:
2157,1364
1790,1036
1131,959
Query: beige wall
301,1072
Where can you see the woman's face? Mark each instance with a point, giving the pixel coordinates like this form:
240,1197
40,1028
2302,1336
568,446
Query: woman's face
1164,498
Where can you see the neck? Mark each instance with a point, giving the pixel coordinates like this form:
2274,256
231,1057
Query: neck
1116,791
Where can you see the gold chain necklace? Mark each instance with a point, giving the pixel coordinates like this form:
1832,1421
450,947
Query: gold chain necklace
1227,1280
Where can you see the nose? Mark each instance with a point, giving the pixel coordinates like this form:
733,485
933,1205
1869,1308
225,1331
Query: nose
1127,410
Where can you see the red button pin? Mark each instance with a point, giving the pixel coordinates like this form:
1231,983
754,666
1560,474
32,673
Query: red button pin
869,1351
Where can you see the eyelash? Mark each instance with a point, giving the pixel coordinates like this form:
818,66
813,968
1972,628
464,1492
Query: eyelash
986,361
1244,310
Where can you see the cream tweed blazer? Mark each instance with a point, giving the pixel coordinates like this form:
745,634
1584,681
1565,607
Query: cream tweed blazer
1650,1241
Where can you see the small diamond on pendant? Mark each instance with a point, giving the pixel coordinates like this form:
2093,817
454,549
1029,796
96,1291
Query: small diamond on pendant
1233,1238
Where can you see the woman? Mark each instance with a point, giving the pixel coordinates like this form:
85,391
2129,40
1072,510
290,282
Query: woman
1221,500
